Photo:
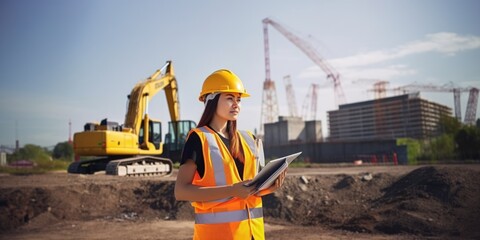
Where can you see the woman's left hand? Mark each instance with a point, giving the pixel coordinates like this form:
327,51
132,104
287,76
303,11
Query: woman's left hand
276,185
279,181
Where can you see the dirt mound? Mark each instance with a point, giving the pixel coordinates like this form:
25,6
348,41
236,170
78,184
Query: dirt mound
336,201
86,201
432,201
429,201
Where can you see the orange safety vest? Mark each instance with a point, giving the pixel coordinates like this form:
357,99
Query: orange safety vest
229,218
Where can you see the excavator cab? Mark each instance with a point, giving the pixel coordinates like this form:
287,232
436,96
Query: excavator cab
154,135
176,137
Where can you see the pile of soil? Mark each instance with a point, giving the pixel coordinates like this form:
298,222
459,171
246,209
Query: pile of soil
428,201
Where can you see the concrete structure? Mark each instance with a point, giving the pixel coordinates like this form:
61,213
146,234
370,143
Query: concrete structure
292,130
3,159
4,150
387,118
313,131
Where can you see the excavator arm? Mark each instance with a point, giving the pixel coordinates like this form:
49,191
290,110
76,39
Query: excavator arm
144,91
137,116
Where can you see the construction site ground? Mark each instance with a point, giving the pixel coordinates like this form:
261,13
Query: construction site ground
341,202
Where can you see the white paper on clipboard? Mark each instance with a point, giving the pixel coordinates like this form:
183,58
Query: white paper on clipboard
267,176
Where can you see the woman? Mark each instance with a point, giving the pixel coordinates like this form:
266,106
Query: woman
216,163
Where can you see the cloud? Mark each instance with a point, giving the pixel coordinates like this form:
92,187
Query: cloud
443,42
360,65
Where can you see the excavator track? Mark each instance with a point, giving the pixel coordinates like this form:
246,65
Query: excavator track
89,166
140,166
131,166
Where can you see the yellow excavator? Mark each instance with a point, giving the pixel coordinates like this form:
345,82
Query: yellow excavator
136,147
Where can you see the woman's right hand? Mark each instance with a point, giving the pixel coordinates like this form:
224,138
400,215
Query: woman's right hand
242,191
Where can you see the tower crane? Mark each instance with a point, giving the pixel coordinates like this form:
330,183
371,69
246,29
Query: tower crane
312,53
470,114
311,98
269,104
292,104
379,86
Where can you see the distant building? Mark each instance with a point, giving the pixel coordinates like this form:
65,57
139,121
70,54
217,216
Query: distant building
3,159
387,118
292,130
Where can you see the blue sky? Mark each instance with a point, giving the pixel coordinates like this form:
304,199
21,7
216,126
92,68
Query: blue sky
77,61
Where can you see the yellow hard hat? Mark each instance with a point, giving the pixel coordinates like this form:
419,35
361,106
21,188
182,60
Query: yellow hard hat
222,81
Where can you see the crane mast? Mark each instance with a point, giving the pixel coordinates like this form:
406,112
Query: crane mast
311,98
269,99
471,112
292,104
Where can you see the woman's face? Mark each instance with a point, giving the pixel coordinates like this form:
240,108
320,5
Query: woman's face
228,106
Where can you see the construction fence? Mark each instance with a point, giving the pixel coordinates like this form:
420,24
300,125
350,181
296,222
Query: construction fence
372,152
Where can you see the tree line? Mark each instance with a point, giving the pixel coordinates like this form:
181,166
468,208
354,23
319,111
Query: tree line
43,159
455,142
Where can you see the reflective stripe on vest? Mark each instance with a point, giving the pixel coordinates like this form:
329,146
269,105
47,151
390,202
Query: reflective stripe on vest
225,217
217,162
216,157
250,142
256,151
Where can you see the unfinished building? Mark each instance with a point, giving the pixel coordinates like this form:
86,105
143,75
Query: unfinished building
387,118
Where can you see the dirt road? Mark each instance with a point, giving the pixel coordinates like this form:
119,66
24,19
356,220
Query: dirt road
366,202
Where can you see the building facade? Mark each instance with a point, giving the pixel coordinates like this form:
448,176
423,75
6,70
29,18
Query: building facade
292,130
387,118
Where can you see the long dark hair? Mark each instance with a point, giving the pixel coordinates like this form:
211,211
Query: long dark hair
207,117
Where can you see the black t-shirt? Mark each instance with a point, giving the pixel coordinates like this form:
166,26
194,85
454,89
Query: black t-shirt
193,150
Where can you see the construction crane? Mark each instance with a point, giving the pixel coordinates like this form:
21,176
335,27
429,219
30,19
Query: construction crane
311,98
292,104
269,112
470,114
312,53
380,89
379,86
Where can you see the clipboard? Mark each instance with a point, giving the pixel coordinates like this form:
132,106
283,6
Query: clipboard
267,176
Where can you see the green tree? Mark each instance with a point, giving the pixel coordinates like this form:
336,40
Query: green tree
40,156
468,142
450,125
63,150
443,147
413,149
31,152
